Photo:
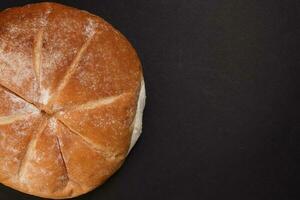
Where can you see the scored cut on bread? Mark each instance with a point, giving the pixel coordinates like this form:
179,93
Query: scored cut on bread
72,97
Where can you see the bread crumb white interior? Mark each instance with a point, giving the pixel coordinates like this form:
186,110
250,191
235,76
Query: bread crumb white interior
138,120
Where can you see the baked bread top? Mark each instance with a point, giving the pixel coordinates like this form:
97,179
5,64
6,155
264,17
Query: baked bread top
69,90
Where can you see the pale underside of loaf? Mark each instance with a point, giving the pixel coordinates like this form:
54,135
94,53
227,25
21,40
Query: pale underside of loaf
72,97
138,119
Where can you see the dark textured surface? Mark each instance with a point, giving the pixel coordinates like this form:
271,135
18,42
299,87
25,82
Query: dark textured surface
222,118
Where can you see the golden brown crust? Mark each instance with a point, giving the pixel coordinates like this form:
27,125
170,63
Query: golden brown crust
69,85
107,58
109,118
18,27
15,138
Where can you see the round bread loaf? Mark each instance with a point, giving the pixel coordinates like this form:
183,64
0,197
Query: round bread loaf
72,96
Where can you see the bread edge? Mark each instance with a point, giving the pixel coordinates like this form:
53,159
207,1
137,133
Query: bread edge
138,119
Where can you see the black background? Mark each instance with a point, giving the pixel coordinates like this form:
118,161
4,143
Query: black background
222,114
